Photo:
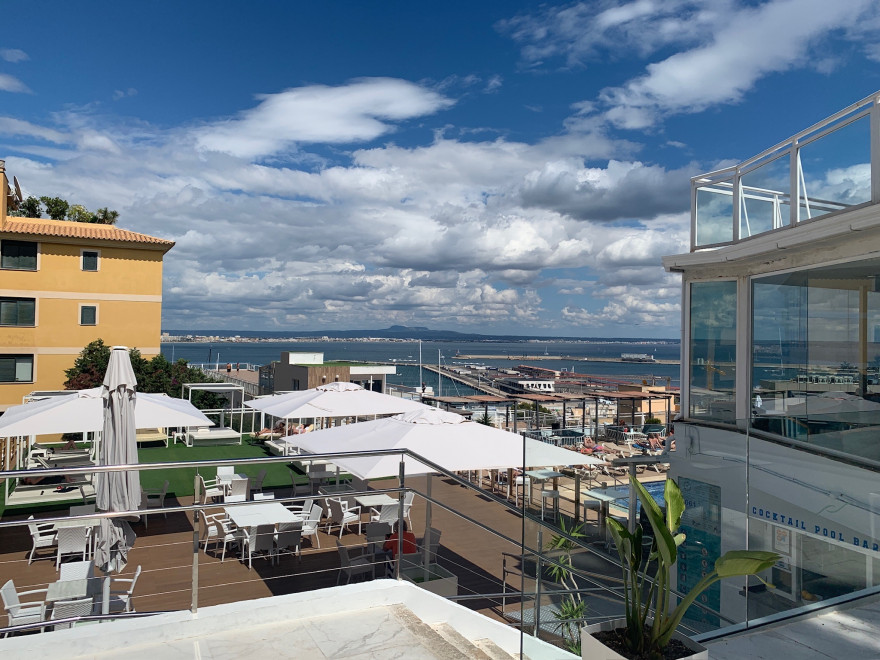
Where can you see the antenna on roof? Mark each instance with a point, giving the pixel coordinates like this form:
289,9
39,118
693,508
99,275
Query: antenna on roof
15,198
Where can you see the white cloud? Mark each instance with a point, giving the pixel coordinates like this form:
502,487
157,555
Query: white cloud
12,84
357,112
13,55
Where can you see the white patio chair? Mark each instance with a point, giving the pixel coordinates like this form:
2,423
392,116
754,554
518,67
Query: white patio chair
43,535
524,483
303,508
21,613
238,491
225,474
299,489
217,528
342,515
154,498
351,565
310,524
289,535
408,498
256,484
388,513
260,539
375,533
210,489
75,607
120,601
72,541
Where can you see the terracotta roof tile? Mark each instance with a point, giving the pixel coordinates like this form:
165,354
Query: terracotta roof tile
66,229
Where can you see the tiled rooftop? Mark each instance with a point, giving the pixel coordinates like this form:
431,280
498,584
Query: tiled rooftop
85,230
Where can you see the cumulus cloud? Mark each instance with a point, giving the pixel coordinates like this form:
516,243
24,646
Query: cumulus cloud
721,48
357,112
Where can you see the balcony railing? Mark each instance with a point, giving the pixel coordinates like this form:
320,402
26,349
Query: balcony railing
824,170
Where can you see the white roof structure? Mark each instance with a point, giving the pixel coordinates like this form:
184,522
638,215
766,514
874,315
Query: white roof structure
82,411
445,438
338,399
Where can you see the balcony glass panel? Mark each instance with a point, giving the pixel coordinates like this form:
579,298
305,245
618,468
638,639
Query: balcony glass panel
765,195
816,353
836,171
712,352
714,214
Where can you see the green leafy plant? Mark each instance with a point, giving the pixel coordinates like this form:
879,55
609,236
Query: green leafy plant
572,609
650,641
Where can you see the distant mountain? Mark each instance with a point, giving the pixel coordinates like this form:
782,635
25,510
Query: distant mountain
400,332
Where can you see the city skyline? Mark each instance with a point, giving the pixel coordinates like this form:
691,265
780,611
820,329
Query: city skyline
514,168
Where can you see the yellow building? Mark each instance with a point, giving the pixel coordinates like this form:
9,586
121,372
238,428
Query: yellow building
65,284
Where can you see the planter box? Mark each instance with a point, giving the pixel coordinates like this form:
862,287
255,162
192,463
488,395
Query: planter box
440,581
593,649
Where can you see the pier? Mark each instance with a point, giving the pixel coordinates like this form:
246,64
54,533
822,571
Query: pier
516,357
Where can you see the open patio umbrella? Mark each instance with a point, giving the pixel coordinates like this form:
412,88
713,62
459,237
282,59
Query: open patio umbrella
117,491
338,399
445,438
82,411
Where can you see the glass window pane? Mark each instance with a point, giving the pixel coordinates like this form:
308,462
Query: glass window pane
836,170
16,368
816,356
20,255
27,312
714,214
90,261
24,369
17,311
7,369
88,315
765,198
713,351
8,312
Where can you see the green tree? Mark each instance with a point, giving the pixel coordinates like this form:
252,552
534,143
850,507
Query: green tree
104,216
157,375
55,207
79,213
30,208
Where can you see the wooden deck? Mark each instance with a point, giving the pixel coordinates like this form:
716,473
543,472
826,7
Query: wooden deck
165,551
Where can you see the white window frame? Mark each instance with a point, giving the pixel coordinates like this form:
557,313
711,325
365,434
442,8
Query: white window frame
79,315
82,253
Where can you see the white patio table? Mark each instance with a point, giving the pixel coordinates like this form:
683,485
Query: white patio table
374,501
262,513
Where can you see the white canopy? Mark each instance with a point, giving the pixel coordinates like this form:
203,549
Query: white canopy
445,438
336,399
82,411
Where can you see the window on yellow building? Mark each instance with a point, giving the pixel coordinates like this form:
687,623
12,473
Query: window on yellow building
18,311
18,255
90,260
16,368
88,315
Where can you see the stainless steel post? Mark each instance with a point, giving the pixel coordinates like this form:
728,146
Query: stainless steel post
400,497
194,606
537,609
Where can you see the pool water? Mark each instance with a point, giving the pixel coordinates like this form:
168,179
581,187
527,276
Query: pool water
621,494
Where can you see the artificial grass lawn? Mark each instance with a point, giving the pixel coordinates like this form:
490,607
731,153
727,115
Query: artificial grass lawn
181,479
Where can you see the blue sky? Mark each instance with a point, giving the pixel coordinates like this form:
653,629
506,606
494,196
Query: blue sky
515,167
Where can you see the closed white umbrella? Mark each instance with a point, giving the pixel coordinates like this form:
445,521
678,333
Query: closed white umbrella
117,491
81,411
336,399
445,438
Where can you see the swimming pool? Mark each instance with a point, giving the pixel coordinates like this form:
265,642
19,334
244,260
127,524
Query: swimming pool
621,494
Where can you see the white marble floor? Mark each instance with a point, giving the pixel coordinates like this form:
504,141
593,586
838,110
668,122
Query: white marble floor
372,633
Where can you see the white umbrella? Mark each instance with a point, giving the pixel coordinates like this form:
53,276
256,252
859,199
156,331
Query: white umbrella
445,438
338,399
117,491
81,411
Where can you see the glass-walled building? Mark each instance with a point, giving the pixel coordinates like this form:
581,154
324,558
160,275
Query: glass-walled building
778,447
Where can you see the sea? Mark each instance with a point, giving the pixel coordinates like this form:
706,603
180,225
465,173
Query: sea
406,355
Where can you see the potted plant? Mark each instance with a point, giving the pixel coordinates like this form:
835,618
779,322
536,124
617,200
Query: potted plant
641,635
572,608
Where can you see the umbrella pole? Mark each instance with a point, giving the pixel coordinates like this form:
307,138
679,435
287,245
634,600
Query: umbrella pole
400,497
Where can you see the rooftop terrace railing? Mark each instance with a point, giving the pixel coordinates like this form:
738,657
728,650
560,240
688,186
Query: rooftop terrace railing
829,168
180,574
